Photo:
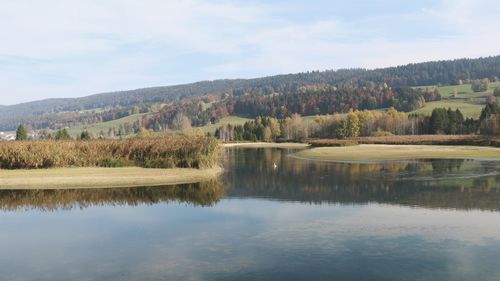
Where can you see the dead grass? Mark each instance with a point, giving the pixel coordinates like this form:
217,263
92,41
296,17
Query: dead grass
414,140
377,152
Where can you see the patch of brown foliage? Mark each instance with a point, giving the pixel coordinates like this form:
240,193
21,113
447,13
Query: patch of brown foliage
414,139
174,151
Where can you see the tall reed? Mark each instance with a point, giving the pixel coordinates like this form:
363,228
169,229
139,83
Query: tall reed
173,151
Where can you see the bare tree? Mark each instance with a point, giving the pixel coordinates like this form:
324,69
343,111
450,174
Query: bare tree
181,122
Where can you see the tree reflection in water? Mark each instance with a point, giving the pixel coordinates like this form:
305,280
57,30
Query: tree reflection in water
440,183
199,194
250,173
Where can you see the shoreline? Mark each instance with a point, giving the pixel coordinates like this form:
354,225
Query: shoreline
374,153
267,144
90,178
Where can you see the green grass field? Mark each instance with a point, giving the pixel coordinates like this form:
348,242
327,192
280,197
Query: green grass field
467,109
463,91
461,97
233,120
105,126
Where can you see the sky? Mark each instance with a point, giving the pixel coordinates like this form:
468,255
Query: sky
72,48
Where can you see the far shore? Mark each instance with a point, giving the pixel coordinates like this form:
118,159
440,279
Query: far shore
88,178
384,152
267,144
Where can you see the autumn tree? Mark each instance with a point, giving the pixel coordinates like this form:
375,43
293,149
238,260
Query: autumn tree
480,85
496,92
294,128
181,122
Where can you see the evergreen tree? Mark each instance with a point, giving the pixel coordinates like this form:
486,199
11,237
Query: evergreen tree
21,133
488,110
439,121
489,121
85,136
62,135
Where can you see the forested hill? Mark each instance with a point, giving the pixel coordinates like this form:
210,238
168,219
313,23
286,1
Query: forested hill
428,73
121,98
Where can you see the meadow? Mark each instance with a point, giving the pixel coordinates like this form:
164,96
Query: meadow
459,97
468,109
233,120
97,128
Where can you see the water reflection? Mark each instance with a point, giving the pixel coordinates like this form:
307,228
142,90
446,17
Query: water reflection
453,183
163,234
199,194
274,174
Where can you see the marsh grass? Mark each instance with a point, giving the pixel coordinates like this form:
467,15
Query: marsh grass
474,140
174,151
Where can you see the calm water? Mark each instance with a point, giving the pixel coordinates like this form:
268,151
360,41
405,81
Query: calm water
425,220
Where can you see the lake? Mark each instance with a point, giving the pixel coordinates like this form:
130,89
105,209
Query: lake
300,220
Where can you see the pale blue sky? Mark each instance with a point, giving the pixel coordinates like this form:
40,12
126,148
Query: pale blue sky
70,48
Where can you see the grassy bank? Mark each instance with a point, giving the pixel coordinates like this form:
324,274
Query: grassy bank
67,178
375,152
174,151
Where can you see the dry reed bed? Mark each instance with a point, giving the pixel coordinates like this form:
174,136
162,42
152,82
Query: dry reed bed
412,139
175,151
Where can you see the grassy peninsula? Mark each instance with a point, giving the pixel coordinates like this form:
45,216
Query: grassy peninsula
173,159
87,178
382,152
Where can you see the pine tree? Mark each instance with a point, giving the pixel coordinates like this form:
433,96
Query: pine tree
21,133
62,135
439,121
85,136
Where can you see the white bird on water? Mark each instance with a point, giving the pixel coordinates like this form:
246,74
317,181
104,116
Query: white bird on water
275,166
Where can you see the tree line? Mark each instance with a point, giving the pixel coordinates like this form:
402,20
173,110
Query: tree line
363,123
317,99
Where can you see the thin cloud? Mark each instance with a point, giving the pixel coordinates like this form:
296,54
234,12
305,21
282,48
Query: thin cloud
60,48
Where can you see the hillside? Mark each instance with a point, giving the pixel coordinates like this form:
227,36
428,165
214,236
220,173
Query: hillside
428,73
460,97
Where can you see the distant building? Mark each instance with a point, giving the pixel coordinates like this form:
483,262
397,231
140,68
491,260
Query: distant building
7,136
